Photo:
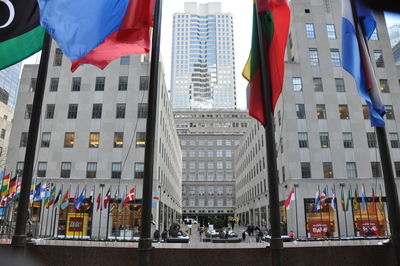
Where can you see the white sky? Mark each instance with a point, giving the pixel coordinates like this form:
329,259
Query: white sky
241,11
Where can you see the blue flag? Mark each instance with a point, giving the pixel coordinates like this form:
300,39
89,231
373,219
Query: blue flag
364,203
37,191
356,58
316,202
79,200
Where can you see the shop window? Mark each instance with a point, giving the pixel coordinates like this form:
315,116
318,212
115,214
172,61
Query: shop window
370,219
321,219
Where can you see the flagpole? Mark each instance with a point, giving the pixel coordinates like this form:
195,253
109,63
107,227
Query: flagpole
329,210
360,209
384,213
124,215
366,206
47,216
101,208
52,213
276,244
145,242
66,221
295,204
108,213
320,211
345,212
19,237
386,162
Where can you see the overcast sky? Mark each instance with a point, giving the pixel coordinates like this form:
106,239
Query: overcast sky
241,11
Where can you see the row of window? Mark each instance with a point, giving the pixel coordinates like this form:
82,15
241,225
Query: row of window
209,176
339,84
335,57
97,109
331,32
210,165
210,153
351,169
203,142
343,111
58,57
91,169
94,139
347,140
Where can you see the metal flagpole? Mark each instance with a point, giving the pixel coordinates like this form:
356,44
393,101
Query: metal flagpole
320,211
108,213
329,210
52,212
124,214
145,242
101,208
66,221
276,244
366,206
295,202
360,209
336,210
345,211
47,216
19,237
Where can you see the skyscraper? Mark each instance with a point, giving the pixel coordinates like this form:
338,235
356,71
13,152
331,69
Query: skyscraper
203,58
9,80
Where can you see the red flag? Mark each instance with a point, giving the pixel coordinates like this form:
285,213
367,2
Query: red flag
373,200
98,200
133,37
275,25
13,185
289,199
107,198
129,197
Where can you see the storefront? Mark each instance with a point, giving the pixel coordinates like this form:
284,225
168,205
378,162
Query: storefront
283,223
369,220
76,223
126,221
321,221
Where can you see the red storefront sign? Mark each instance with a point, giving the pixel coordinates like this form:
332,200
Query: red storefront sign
368,227
319,229
75,224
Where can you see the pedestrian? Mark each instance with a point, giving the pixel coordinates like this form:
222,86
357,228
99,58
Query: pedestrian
164,234
247,237
156,235
244,235
291,234
201,233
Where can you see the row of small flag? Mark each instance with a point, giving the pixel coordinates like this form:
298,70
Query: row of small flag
321,198
10,189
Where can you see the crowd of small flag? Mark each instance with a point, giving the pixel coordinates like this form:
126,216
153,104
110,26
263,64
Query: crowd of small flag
321,199
10,191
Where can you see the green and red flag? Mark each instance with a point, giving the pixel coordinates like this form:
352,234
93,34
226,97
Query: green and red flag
20,32
275,20
348,199
52,197
342,200
4,185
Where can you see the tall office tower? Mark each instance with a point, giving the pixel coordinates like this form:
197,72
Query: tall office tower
92,135
209,139
394,34
203,58
324,140
9,81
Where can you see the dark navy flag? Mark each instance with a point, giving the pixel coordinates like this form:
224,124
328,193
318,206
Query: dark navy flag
356,59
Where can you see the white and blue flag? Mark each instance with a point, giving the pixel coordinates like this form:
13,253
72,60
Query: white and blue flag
356,59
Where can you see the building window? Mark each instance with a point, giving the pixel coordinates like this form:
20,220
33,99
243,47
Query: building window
58,57
394,140
142,110
379,58
335,58
374,35
41,169
116,170
384,85
324,139
297,85
321,112
96,110
340,87
139,170
72,111
144,83
50,111
28,111
76,84
376,169
220,164
328,169
94,139
123,83
365,111
317,82
45,142
314,59
100,84
32,88
344,111
330,29
351,170
24,139
124,60
228,165
371,139
3,133
310,31
120,110
53,84
91,170
300,111
347,140
69,140
397,168
305,170
118,139
19,168
389,112
65,169
140,139
303,139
